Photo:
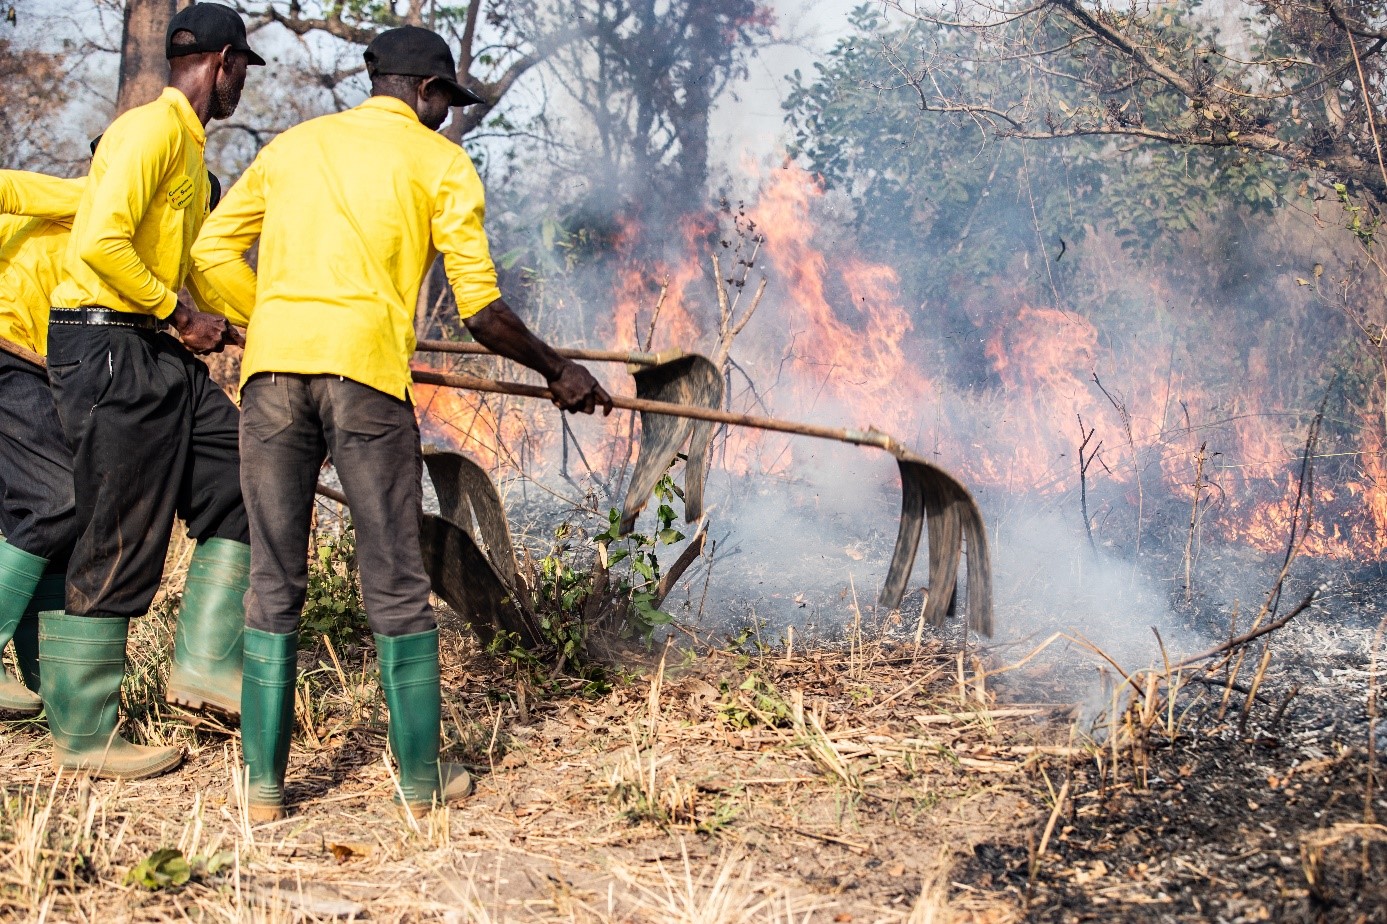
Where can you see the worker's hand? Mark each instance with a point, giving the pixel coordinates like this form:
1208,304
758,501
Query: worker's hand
575,389
202,332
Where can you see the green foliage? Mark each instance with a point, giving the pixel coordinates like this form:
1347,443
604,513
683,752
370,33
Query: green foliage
560,595
755,701
1361,224
943,186
333,607
169,869
566,578
637,582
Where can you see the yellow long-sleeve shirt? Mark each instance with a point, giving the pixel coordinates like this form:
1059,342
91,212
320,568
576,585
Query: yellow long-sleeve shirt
35,218
146,198
350,210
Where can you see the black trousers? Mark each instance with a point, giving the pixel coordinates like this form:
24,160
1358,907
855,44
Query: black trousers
290,423
36,503
151,436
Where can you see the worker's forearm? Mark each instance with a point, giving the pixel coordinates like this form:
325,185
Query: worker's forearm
500,330
39,196
118,265
227,289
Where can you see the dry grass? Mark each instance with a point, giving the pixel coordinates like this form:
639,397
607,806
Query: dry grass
713,787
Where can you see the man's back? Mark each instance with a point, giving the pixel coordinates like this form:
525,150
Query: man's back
30,263
348,209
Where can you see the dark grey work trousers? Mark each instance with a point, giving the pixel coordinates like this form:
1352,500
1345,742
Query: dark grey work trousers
36,504
151,436
290,424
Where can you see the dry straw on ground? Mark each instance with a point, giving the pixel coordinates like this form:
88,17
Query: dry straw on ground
715,786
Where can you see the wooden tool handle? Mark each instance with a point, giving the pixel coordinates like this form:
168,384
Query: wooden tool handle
475,383
595,356
24,353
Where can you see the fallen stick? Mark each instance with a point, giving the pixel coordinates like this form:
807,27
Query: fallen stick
1248,636
953,718
681,564
1054,817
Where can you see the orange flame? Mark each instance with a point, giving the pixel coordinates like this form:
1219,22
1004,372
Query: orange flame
832,342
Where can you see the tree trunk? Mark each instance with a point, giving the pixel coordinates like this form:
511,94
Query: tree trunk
143,69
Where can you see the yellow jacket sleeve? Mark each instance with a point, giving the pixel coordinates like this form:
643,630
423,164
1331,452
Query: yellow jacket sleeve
458,234
118,203
219,254
38,196
208,298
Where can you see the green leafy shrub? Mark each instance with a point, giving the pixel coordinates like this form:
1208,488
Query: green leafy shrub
639,581
604,582
333,608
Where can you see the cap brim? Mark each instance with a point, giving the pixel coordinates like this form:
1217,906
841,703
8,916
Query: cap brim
458,94
252,57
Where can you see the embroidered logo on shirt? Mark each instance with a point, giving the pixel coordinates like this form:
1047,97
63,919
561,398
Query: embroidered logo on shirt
181,193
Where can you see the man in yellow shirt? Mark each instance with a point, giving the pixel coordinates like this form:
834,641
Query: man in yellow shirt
151,434
36,505
350,210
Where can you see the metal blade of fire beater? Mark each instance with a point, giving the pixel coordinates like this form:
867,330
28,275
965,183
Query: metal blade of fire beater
689,380
979,572
932,498
463,576
468,498
460,571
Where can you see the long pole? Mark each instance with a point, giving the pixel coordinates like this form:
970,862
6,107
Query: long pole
856,437
19,352
634,358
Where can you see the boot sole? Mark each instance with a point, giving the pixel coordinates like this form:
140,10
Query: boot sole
19,699
104,771
200,703
422,809
260,814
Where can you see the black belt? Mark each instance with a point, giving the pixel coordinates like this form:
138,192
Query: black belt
104,317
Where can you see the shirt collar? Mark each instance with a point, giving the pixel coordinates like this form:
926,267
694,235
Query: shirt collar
186,115
390,104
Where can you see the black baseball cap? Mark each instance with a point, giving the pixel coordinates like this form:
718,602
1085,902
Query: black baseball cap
412,51
213,27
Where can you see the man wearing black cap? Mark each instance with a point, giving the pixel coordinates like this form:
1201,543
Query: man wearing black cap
350,210
151,434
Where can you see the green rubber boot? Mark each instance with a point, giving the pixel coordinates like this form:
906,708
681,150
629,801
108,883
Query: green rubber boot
409,676
19,576
83,664
51,594
206,672
267,719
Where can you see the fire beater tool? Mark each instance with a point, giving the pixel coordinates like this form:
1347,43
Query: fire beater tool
19,352
468,551
669,375
930,497
632,357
